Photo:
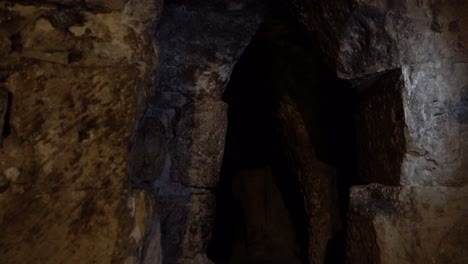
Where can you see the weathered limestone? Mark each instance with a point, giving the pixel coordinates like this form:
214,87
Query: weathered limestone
75,79
364,37
435,101
200,43
413,125
413,224
408,225
78,75
412,121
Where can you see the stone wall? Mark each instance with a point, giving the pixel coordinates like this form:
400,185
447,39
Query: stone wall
412,123
77,84
200,43
74,77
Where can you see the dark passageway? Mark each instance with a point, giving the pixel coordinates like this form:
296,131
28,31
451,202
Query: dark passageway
256,221
289,155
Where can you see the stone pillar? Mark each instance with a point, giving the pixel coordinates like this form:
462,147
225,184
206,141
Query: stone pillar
200,43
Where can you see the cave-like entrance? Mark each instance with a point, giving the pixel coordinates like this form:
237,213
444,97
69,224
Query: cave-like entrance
259,219
289,154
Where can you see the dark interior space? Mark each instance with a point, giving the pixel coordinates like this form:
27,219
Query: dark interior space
5,112
256,223
261,211
338,105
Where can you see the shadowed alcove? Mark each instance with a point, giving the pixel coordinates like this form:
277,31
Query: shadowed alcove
257,219
289,153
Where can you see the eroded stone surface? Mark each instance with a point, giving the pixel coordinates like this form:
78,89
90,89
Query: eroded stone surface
204,144
78,76
186,226
200,43
413,125
412,122
365,37
408,225
79,72
436,109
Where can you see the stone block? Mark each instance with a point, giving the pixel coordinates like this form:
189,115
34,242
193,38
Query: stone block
413,124
435,100
187,221
363,37
407,225
199,147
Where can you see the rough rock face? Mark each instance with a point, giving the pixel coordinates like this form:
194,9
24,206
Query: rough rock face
77,84
413,126
365,37
314,178
76,75
298,112
436,110
381,126
200,43
411,121
408,225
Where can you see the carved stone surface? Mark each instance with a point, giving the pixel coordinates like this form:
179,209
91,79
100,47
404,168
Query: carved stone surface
408,225
78,76
435,99
413,126
200,43
365,37
408,59
98,167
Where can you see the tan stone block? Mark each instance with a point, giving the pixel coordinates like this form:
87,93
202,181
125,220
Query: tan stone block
408,225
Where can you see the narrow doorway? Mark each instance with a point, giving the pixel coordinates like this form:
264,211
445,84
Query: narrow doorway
290,153
259,219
